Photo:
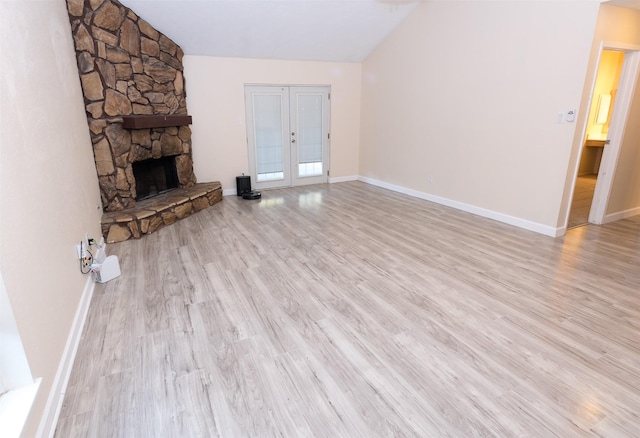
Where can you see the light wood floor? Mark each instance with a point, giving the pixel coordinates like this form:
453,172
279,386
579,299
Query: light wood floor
582,199
346,310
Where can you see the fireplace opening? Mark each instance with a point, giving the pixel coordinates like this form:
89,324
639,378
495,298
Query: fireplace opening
154,177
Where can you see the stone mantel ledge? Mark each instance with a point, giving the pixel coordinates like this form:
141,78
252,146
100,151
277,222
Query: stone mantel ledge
150,215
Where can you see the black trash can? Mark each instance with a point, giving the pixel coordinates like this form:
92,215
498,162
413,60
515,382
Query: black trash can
243,184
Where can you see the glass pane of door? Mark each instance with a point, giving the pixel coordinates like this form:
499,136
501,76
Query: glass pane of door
269,142
309,116
269,145
309,133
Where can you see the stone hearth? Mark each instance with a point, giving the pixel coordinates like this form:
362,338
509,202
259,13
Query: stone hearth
150,215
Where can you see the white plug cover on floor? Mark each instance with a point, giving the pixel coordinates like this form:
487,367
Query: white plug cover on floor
108,270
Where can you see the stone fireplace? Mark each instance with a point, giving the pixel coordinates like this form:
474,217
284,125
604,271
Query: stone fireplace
135,99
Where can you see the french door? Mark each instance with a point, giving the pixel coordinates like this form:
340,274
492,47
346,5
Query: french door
288,135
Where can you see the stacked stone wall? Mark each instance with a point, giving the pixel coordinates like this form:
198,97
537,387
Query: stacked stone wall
128,68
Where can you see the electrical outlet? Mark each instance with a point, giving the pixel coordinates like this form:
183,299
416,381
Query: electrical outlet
430,179
79,250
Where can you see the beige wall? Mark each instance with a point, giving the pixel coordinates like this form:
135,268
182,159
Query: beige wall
468,93
215,99
614,25
48,184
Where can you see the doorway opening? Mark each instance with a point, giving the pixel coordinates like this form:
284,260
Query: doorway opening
596,135
287,135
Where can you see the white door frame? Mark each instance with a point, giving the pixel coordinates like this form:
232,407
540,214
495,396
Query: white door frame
619,118
290,133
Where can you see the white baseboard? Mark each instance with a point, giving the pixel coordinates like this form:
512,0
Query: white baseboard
490,214
54,402
339,179
621,215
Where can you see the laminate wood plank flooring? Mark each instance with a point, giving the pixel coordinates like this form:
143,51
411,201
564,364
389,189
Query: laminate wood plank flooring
582,199
347,310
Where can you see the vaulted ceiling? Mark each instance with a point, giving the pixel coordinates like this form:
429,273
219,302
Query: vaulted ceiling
319,30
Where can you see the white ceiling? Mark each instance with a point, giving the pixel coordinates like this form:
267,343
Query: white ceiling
319,30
